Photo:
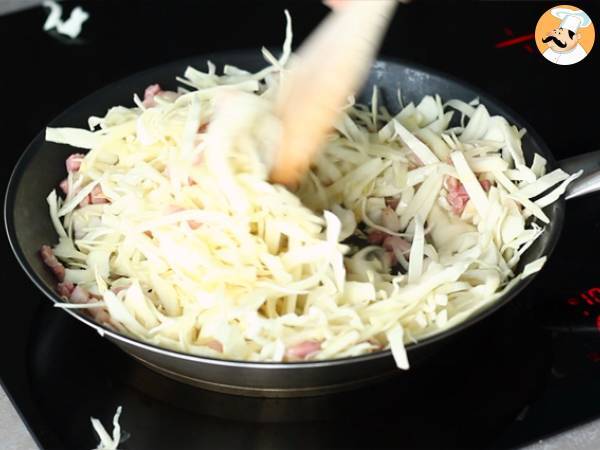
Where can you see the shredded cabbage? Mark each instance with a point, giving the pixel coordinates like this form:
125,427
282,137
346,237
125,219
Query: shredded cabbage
108,442
172,228
70,27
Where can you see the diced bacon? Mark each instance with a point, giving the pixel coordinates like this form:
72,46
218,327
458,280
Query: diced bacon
149,94
97,196
392,202
391,244
54,264
73,162
303,349
451,183
337,4
198,159
85,201
390,219
64,186
215,345
376,236
153,90
457,196
79,295
396,243
414,160
389,259
118,289
375,343
65,289
101,315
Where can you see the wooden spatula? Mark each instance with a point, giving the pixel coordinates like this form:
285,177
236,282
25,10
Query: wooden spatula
330,65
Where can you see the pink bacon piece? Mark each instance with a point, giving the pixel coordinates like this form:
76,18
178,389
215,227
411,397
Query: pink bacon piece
376,236
54,264
65,289
118,289
149,94
81,296
392,246
396,244
215,345
392,202
153,90
64,186
97,196
414,160
457,196
73,164
303,349
74,161
390,243
389,259
376,344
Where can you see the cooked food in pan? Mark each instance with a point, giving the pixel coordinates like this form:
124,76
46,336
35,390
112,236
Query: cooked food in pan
407,223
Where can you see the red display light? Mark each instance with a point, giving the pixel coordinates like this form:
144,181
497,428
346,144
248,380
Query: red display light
594,356
516,40
595,294
588,299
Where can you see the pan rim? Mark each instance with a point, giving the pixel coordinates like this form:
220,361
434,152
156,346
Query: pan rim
16,177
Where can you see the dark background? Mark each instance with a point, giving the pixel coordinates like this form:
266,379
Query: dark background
42,73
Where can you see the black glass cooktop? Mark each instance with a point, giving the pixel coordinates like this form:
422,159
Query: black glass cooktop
528,372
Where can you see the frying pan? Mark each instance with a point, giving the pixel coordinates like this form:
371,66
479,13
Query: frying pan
41,167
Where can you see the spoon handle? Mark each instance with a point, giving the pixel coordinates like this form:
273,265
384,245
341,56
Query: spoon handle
330,65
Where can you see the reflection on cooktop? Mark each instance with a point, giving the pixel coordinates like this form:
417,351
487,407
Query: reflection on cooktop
463,387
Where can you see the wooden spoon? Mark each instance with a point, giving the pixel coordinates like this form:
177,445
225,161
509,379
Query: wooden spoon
330,65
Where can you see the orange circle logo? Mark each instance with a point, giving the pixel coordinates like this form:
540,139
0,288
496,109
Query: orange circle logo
564,35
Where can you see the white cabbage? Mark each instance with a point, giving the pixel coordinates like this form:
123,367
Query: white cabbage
196,251
108,442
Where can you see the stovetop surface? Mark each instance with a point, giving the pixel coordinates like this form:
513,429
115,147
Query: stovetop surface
535,371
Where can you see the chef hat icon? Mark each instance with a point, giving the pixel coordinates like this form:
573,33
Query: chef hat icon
571,19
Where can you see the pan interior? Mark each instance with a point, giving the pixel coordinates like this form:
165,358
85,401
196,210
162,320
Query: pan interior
41,167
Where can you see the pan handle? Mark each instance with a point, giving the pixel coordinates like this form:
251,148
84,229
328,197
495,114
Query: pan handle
587,183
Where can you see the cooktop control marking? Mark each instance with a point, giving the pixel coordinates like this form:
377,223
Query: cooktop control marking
516,40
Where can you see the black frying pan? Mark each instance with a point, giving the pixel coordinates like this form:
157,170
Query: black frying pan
42,167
